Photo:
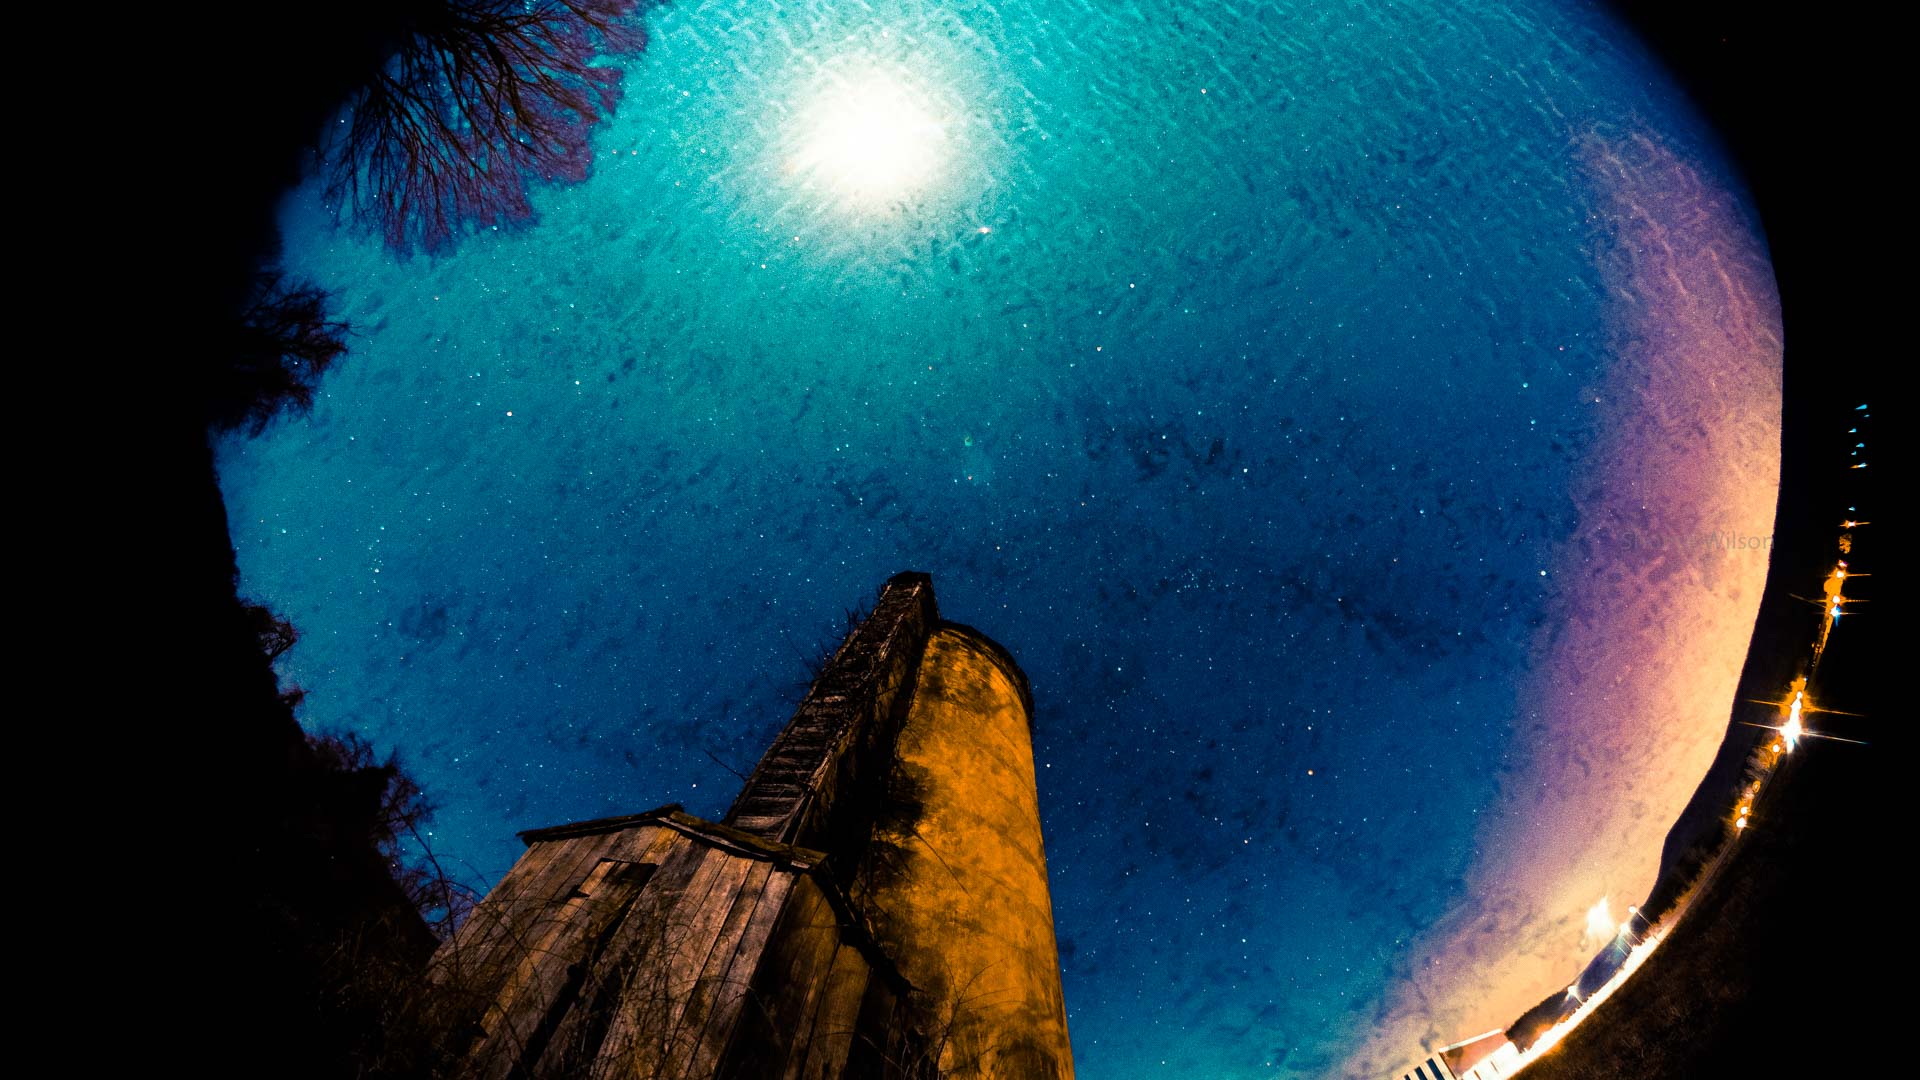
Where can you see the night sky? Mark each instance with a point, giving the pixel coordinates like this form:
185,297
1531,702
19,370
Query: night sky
1337,410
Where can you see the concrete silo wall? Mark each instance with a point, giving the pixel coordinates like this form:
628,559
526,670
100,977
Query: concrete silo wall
957,881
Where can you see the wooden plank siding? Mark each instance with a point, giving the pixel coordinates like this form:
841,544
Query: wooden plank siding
801,939
695,1050
808,940
702,921
833,1023
480,965
733,999
554,916
617,976
666,948
634,982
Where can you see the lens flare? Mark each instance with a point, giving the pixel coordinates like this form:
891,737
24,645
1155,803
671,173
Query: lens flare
1600,922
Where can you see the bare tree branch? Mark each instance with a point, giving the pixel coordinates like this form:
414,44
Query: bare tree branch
482,98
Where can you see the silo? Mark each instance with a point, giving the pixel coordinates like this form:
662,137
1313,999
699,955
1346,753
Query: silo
956,876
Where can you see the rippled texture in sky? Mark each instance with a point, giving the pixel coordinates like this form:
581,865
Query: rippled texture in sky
1325,403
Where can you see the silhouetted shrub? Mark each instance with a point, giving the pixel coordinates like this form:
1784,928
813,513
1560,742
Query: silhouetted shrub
275,634
393,822
480,98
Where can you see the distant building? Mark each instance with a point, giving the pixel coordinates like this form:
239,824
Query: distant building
1483,1057
874,905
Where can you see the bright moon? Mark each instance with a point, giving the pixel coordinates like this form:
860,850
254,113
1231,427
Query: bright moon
871,137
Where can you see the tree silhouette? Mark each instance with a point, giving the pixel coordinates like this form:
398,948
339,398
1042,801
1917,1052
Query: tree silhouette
281,344
480,98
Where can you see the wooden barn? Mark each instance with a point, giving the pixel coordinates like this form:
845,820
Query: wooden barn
875,903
